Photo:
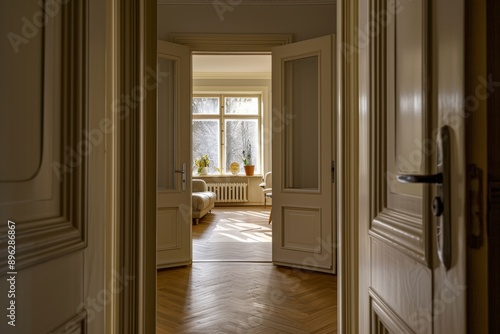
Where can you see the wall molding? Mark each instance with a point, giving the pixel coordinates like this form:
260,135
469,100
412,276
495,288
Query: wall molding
239,43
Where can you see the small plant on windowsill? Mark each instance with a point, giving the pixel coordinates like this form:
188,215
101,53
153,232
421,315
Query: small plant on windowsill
247,158
202,163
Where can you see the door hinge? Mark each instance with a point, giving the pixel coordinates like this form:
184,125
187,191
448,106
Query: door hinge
333,171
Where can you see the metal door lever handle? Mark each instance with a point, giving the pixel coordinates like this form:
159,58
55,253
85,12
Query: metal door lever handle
441,205
183,172
437,203
435,178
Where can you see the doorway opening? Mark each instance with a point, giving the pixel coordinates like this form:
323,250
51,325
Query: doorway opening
301,245
304,146
231,125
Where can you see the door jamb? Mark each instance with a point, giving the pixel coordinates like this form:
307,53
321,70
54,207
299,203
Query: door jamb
137,46
348,165
131,167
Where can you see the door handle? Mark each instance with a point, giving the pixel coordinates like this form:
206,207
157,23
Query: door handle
183,172
407,178
441,205
437,203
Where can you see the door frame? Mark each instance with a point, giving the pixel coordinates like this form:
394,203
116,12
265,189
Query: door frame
348,153
347,140
132,241
131,166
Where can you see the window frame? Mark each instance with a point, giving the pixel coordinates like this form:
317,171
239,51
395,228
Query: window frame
222,117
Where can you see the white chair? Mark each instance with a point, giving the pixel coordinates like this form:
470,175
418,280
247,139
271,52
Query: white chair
203,201
267,186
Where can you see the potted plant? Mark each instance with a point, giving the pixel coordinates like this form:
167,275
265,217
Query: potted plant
202,163
247,158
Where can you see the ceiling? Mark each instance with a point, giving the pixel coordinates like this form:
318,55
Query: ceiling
214,66
231,64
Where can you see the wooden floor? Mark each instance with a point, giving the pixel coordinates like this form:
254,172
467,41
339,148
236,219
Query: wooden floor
221,297
205,250
233,288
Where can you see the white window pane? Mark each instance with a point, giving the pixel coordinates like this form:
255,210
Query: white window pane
241,105
205,105
206,140
242,135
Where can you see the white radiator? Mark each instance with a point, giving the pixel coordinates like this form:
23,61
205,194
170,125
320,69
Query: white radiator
229,192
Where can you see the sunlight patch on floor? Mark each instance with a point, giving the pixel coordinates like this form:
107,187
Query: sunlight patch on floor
230,230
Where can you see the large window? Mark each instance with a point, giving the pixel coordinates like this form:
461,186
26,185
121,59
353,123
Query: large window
224,126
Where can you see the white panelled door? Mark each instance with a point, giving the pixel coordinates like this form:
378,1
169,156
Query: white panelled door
173,224
53,127
412,235
303,152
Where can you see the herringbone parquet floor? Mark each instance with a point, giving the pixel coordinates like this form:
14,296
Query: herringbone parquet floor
205,250
216,297
241,296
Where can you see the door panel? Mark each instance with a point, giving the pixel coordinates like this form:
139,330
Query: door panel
27,59
167,159
51,179
301,229
401,270
173,226
303,151
398,240
301,145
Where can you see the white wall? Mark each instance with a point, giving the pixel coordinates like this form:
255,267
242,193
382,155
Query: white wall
303,22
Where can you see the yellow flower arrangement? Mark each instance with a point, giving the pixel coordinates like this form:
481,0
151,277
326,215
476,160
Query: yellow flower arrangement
201,162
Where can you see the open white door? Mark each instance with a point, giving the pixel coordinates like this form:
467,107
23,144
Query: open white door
412,264
303,153
53,194
173,225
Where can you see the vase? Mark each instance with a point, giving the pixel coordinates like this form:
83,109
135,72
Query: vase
203,171
234,167
249,170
